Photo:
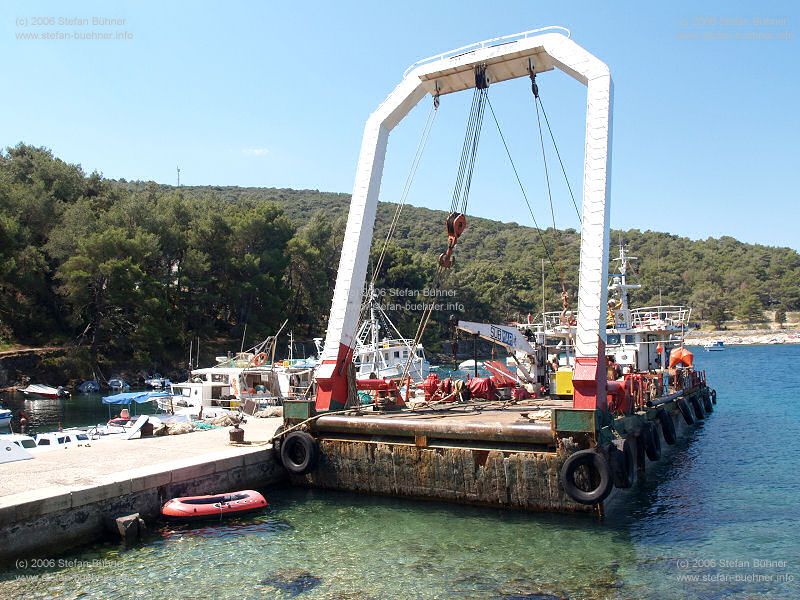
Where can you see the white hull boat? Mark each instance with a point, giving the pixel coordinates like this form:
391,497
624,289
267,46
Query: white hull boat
44,391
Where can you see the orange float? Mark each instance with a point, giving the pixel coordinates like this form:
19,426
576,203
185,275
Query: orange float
680,356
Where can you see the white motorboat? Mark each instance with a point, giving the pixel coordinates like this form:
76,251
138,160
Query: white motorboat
44,391
67,438
714,346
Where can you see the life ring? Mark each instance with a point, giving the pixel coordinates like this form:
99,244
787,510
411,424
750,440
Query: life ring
685,411
652,441
299,452
594,461
260,359
714,396
622,459
667,426
699,413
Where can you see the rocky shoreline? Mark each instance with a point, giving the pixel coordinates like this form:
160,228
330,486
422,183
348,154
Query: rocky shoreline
744,337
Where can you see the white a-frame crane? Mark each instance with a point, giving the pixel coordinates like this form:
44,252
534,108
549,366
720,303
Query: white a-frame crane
504,58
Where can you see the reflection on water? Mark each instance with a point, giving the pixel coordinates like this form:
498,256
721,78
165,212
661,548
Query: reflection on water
48,414
720,501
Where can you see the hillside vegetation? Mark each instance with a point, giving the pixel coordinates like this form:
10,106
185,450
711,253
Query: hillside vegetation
133,270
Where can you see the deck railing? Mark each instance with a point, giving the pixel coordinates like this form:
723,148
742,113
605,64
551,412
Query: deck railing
656,317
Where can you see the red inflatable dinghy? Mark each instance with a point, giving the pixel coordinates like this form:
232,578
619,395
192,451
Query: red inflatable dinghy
207,507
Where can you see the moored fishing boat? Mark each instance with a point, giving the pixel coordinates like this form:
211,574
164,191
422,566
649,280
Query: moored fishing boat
714,346
251,378
382,352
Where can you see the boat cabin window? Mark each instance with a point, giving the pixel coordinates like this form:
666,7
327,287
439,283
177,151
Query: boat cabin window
63,439
44,442
26,443
397,354
613,339
82,437
405,353
630,338
216,392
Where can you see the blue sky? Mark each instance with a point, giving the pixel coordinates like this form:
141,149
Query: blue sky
276,94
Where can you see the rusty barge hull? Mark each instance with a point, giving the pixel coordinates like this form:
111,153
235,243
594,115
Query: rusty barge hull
512,479
490,457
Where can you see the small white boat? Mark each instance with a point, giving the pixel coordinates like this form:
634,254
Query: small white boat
44,391
5,417
715,346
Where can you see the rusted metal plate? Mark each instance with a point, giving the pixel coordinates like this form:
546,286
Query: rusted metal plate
297,410
575,420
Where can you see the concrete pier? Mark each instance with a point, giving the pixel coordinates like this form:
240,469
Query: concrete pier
66,497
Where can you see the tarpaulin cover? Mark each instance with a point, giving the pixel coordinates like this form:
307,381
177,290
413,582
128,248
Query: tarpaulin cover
131,397
482,387
503,377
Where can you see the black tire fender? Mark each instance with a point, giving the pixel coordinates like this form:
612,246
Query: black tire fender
299,452
686,411
595,460
713,396
622,459
708,406
652,441
667,426
697,405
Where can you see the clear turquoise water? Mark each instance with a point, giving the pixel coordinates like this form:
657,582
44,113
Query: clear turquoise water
727,497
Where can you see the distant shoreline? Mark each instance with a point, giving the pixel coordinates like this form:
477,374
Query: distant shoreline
750,337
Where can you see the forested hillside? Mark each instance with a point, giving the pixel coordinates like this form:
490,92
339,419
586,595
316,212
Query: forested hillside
132,270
